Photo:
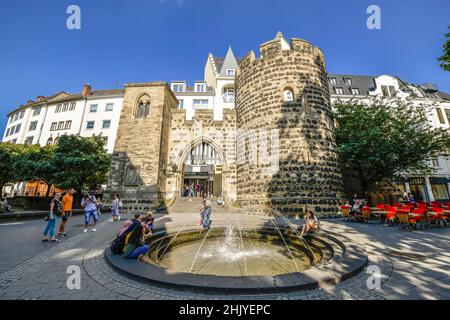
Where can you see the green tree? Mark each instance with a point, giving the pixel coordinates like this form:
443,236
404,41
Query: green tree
445,58
36,164
381,139
79,162
9,153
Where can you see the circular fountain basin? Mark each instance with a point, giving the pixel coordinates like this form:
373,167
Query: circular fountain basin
252,259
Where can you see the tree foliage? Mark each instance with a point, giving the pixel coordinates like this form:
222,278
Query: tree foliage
445,58
75,162
80,162
9,154
383,138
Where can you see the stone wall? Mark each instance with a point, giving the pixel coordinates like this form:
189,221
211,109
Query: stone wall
139,161
308,175
185,133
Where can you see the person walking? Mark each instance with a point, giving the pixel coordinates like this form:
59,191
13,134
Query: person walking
52,217
89,203
67,204
115,207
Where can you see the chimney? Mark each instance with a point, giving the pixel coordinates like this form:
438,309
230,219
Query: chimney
86,90
40,98
30,101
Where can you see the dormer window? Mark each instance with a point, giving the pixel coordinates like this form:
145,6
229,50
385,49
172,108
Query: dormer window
348,81
339,91
178,87
231,72
333,81
200,87
288,95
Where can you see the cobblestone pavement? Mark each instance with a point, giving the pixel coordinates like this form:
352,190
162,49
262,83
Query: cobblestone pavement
414,265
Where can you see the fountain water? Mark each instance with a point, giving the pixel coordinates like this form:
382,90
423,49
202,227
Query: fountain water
284,240
293,228
199,249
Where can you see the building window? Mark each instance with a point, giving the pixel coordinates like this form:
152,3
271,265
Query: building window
228,95
93,108
33,126
16,116
339,91
50,141
109,107
18,128
106,124
37,111
181,104
143,110
22,113
435,163
53,126
72,106
58,108
90,125
231,72
61,125
348,81
65,107
392,91
333,81
178,87
288,95
68,125
200,104
29,141
447,113
385,91
200,87
13,141
355,91
440,191
7,132
105,140
440,115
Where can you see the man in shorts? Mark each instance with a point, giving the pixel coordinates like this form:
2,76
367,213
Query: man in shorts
89,203
67,203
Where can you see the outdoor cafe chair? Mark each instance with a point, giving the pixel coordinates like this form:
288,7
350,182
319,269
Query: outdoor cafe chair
405,222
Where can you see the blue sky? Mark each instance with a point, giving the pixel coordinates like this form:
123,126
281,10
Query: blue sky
145,40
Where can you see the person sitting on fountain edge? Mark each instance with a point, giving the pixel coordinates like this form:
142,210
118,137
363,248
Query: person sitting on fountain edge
135,247
311,223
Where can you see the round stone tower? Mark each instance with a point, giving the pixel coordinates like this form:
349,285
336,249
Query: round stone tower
286,151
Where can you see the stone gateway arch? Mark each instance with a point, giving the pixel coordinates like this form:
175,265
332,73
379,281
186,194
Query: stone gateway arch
274,150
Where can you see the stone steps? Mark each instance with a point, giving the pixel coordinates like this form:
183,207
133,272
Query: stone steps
193,205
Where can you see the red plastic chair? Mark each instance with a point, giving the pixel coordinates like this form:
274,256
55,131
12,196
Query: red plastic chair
436,204
381,206
397,205
436,218
419,218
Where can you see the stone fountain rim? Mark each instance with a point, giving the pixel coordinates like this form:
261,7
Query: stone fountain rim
353,260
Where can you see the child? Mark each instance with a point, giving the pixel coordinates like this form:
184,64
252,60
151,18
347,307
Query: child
148,223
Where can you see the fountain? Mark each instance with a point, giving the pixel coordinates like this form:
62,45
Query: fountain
267,255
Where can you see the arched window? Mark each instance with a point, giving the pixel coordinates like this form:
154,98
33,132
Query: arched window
50,141
56,140
143,107
288,95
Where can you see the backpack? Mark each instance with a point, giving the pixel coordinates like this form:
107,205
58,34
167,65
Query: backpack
118,245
